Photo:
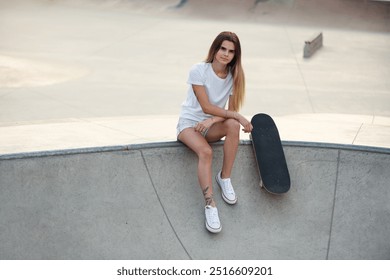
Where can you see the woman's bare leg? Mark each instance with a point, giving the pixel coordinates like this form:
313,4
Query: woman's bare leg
231,129
196,142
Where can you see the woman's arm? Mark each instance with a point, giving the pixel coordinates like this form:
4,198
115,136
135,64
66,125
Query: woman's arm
220,114
240,118
207,107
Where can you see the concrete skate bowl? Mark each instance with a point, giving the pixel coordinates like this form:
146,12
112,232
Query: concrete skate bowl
143,202
346,14
355,14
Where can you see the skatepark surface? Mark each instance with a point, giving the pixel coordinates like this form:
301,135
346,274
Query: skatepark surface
90,92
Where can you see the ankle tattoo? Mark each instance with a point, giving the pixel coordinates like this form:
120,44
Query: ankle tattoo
208,197
209,200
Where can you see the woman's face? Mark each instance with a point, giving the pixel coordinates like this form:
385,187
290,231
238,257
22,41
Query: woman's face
225,53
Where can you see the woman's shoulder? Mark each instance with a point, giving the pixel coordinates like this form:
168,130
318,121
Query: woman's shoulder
199,70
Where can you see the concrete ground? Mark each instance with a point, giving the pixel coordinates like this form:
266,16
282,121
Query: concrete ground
143,202
87,86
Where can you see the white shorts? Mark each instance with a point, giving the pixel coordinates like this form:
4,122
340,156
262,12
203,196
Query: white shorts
186,123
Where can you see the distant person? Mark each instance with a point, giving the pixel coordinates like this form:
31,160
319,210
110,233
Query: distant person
203,119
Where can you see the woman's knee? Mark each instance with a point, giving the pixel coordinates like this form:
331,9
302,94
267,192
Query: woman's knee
205,153
232,126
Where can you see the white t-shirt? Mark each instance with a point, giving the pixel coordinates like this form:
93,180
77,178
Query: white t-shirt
217,89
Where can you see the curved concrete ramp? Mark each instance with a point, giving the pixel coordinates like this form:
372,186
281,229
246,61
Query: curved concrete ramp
143,202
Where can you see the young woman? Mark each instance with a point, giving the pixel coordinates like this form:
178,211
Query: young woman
203,118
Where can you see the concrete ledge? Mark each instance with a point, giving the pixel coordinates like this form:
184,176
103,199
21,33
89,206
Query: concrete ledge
143,202
170,144
312,45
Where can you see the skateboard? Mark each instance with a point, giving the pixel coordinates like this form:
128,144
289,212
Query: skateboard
268,150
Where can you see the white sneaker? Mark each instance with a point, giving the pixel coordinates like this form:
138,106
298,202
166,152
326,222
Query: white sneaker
212,219
228,193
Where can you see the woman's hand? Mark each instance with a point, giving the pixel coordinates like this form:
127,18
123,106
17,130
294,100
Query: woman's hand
247,126
204,125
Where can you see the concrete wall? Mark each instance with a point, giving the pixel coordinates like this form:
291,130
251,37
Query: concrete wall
143,202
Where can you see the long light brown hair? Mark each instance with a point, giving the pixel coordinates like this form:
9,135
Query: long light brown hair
235,66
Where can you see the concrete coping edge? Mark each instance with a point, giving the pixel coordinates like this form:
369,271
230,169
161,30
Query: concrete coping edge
172,144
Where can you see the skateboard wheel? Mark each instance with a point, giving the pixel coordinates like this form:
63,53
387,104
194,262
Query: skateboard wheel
261,184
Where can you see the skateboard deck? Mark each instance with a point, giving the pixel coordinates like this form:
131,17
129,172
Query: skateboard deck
268,150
